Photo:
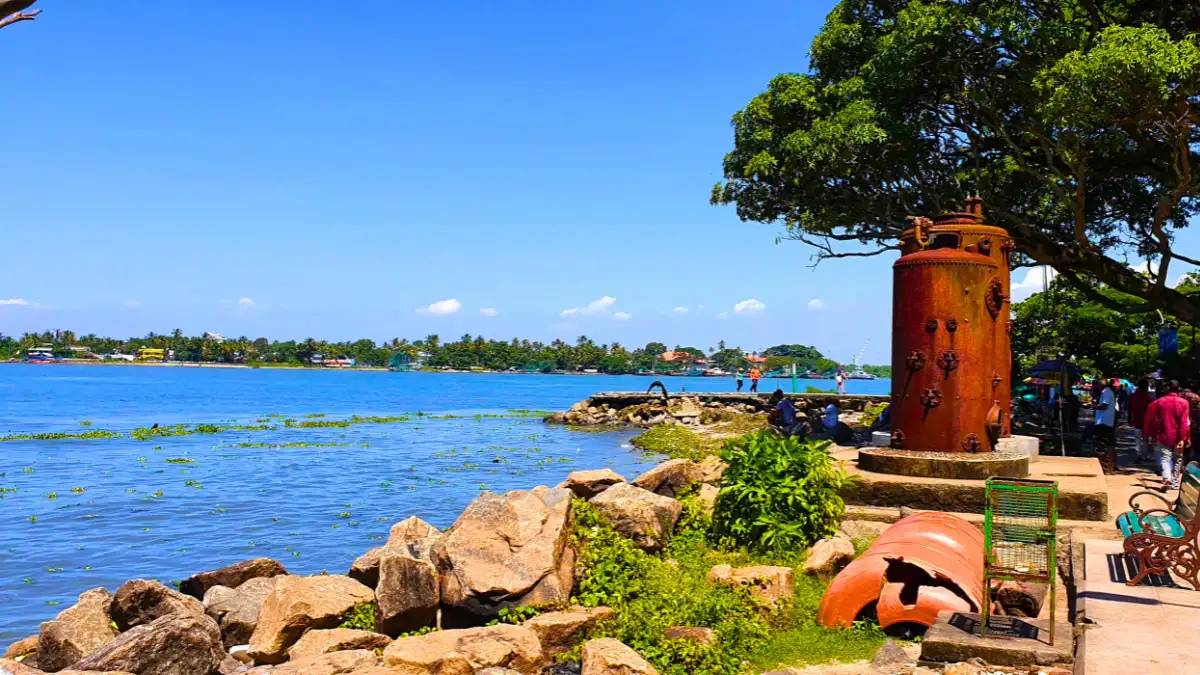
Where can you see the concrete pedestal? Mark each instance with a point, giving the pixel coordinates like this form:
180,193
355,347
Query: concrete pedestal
957,465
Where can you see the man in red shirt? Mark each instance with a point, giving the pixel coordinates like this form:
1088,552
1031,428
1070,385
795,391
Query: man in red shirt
1168,428
1139,400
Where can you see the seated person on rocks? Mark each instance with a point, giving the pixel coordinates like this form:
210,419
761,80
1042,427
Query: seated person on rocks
782,416
833,429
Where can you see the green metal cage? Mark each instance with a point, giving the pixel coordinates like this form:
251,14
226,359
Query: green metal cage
1020,537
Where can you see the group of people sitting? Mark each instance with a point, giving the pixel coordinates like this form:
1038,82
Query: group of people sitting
784,418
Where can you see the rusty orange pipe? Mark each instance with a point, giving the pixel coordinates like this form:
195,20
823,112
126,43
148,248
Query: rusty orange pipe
925,563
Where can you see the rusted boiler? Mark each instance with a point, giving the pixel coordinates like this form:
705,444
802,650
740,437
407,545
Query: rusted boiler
951,346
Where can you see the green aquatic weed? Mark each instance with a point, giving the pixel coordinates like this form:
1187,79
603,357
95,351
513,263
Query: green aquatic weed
78,490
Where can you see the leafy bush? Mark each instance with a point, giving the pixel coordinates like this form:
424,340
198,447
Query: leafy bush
816,390
648,595
361,616
871,414
778,493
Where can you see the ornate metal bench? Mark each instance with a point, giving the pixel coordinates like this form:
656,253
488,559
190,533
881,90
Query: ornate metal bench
1165,539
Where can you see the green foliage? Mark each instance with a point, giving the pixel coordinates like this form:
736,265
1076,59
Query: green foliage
516,615
871,414
360,616
649,595
1076,122
778,493
56,436
676,442
817,390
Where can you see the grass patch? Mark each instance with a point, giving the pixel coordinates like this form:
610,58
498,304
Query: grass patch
676,442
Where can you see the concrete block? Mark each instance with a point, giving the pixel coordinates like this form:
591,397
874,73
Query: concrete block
1011,641
881,439
1025,445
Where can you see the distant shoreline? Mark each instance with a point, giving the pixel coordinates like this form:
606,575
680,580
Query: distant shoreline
370,369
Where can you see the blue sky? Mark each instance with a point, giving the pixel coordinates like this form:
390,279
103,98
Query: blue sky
363,169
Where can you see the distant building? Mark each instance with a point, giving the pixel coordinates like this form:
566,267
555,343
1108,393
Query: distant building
215,337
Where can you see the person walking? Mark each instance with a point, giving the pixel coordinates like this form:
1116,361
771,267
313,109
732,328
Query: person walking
1106,422
755,375
738,376
1169,429
840,378
1139,400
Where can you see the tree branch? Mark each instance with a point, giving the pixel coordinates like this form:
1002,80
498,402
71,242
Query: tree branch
19,16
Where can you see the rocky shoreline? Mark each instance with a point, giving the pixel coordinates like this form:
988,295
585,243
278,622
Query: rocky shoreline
697,410
424,603
419,604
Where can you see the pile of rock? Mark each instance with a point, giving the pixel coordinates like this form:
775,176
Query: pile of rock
505,551
697,410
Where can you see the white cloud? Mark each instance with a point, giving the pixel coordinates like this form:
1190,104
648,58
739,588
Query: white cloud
489,311
442,307
682,310
750,306
131,303
1032,283
622,316
17,301
593,308
246,302
816,304
723,315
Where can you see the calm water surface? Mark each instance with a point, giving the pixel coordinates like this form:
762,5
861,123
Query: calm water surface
312,508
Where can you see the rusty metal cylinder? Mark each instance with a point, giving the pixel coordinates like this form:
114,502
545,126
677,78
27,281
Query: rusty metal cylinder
951,346
926,563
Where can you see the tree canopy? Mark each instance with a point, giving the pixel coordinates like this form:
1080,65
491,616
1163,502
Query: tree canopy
466,353
1066,321
1076,121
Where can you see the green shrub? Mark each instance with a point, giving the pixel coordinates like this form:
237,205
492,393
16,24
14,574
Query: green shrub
648,595
871,414
361,616
778,493
816,390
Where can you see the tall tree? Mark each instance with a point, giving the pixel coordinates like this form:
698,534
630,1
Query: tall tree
1077,121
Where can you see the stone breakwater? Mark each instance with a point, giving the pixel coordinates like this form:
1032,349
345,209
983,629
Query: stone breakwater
505,551
645,410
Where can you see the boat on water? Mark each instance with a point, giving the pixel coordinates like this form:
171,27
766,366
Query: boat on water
40,355
859,374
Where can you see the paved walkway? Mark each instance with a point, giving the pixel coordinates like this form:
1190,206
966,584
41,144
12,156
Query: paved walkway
1145,629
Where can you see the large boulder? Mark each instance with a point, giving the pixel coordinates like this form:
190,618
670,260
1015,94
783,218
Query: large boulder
466,651
711,469
76,632
349,662
407,596
646,518
707,497
588,484
314,643
412,537
232,576
176,644
829,556
558,632
612,657
298,604
22,647
236,610
505,551
141,601
670,478
767,584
